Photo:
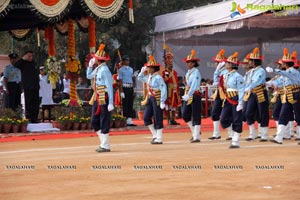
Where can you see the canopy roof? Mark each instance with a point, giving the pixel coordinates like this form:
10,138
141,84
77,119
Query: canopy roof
220,13
20,14
213,27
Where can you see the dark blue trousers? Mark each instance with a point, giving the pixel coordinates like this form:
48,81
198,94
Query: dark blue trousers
230,116
263,110
192,111
287,108
244,111
153,110
101,121
127,102
217,108
277,108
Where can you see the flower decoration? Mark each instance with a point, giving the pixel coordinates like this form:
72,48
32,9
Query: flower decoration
63,119
84,119
73,65
54,69
117,117
24,121
68,102
7,120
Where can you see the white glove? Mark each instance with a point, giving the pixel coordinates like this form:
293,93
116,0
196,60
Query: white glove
143,69
122,95
92,62
167,107
110,107
162,105
136,73
215,83
185,97
239,107
269,69
247,89
220,65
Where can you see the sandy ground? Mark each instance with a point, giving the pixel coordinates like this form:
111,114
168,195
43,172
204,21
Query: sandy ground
135,169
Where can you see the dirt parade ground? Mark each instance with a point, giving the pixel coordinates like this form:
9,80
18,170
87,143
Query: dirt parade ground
135,169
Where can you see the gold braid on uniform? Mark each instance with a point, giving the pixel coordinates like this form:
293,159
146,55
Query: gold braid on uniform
288,93
101,94
259,91
157,94
190,100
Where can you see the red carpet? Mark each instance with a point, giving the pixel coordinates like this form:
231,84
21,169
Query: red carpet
206,125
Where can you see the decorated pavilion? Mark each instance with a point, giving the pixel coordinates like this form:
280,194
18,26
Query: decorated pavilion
22,18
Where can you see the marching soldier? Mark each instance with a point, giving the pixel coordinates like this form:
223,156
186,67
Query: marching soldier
102,99
233,87
155,99
257,97
252,132
246,67
277,83
219,96
291,96
171,80
191,107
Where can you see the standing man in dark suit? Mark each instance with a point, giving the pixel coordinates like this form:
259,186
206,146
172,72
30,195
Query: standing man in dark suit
31,85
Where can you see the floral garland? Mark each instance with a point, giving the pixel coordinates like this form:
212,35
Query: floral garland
51,41
73,65
92,35
67,102
54,69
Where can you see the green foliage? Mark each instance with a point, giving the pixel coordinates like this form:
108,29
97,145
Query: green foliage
137,103
132,37
9,113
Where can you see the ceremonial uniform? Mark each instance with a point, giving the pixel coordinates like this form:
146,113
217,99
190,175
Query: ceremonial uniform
233,88
102,99
117,97
277,84
218,96
191,106
12,82
290,98
247,82
127,93
171,79
155,99
257,97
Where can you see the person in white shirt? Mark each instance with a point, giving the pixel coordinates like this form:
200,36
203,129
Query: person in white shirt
66,84
45,91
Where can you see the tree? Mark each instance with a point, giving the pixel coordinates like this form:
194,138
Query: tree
132,37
